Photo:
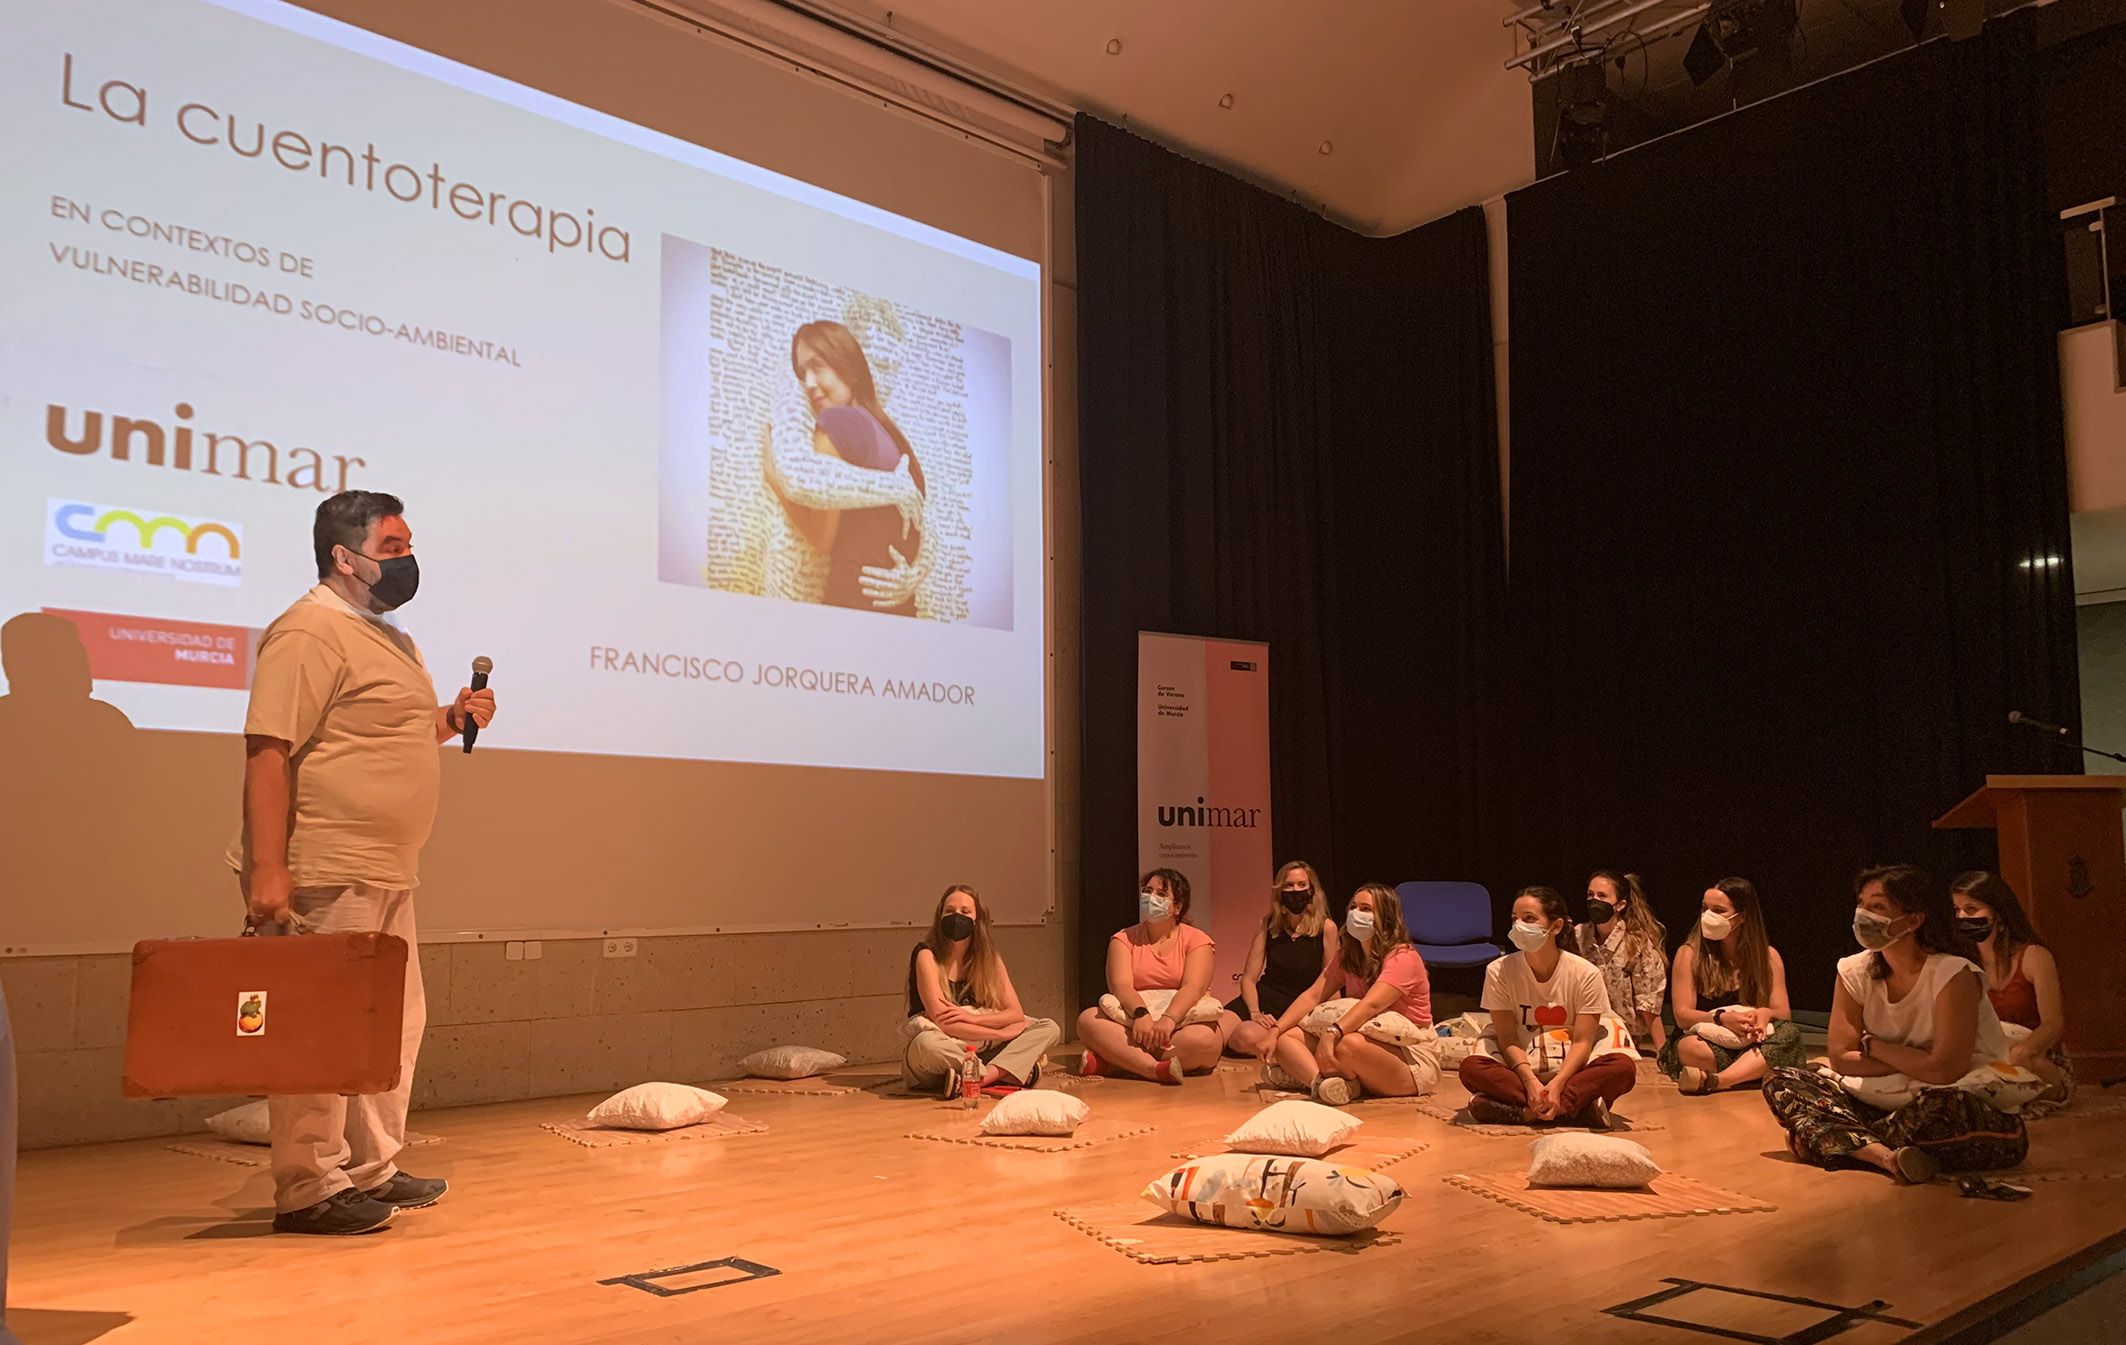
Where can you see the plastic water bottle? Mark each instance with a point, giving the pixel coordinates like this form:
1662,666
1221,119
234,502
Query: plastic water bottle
970,1079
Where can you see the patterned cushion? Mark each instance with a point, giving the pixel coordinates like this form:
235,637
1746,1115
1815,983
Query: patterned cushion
1276,1195
1390,1029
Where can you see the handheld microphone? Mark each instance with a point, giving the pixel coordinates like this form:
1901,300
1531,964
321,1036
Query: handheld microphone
482,666
2021,720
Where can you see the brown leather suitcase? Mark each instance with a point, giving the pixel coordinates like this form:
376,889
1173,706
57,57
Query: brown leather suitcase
306,1013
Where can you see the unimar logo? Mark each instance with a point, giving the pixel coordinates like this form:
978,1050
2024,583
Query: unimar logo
147,541
1201,814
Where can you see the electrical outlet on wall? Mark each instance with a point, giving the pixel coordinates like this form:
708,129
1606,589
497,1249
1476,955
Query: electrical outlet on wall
619,947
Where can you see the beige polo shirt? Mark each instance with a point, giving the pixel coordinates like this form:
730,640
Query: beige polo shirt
352,696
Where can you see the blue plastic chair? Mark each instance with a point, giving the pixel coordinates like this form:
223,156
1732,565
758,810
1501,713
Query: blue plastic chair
1449,922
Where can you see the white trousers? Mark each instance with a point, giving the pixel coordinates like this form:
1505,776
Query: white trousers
324,1143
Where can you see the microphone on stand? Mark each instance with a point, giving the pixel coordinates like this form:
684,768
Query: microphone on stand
2059,731
2021,720
484,665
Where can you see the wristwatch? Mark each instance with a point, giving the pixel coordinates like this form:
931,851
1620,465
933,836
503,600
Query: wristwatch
1140,1011
1867,1045
1337,1028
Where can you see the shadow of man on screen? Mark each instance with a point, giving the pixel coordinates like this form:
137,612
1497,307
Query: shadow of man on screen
69,774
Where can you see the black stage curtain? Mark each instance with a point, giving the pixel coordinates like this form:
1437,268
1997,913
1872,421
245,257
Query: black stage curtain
1286,433
1788,496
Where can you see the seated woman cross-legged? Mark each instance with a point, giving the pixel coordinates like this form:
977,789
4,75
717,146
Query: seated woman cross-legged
2022,982
1733,1021
1163,951
1295,943
1377,966
1554,1053
960,995
1907,1088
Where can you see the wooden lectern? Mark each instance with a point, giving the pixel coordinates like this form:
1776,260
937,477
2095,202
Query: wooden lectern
2062,850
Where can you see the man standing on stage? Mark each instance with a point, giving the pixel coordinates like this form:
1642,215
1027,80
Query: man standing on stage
340,781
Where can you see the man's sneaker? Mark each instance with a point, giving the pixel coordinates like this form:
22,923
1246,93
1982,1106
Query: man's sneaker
342,1215
404,1192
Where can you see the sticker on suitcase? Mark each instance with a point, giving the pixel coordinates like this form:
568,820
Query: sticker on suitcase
251,1013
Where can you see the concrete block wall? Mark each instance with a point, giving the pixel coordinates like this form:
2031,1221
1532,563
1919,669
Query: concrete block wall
685,1008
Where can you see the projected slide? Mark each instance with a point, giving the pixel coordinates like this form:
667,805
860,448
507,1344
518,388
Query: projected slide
712,463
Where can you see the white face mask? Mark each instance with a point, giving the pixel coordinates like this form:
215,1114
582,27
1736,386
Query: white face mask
1716,926
1359,925
1153,907
1872,931
1527,937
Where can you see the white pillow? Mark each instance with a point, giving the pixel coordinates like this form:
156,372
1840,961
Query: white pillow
1600,1161
790,1062
1159,1001
1276,1195
656,1106
1300,1129
1035,1111
1468,1025
1390,1028
1724,1038
1998,1084
245,1125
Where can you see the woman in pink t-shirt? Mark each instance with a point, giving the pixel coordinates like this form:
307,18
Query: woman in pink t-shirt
1163,951
1376,965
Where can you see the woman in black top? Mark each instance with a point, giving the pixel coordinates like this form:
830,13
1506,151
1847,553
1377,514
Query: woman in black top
960,997
1295,942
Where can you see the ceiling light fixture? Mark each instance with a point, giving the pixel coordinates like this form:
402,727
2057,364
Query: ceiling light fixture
1114,46
1226,101
1326,148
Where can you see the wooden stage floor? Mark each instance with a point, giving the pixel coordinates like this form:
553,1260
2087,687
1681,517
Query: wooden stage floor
878,1237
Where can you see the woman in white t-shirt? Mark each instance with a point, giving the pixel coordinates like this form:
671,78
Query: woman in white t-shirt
1910,1024
1554,1052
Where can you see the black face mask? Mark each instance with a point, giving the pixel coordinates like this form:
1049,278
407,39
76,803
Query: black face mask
1297,902
399,578
1601,912
1975,928
956,926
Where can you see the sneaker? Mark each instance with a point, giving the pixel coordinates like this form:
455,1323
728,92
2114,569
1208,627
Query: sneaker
407,1192
1490,1111
1336,1092
341,1215
1091,1066
1915,1166
1596,1116
1275,1076
1168,1072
